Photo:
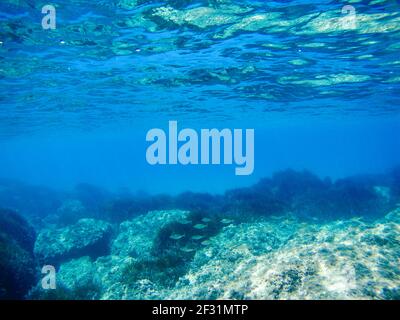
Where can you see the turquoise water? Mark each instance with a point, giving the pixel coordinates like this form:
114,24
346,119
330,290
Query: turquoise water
319,86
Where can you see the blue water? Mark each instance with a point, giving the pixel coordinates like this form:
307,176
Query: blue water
76,102
116,159
104,77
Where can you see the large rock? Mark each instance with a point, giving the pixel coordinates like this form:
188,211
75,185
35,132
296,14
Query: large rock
87,237
17,266
103,279
136,237
76,280
348,259
83,276
270,258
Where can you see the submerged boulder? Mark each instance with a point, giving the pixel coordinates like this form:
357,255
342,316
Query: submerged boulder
137,236
347,259
87,237
17,265
76,280
16,227
279,257
132,271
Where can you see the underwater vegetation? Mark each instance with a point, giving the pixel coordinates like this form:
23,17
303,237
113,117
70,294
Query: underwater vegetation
290,236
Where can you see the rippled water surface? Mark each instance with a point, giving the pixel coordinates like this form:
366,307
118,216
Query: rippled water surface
119,61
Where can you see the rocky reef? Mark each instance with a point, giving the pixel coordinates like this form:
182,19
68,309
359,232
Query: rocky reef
86,237
291,236
275,258
137,236
341,260
17,265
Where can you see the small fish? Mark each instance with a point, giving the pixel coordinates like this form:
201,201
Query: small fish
200,226
226,221
187,249
185,222
206,220
205,242
197,237
176,236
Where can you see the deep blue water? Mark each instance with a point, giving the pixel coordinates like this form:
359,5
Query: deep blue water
76,102
116,159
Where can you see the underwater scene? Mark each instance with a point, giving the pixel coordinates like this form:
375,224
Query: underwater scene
199,149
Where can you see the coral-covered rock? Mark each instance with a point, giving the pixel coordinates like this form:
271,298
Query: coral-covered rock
87,237
17,266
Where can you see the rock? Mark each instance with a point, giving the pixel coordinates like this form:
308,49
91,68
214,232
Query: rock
393,216
130,272
117,284
76,280
17,266
102,279
136,237
279,257
79,276
87,237
340,260
17,228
